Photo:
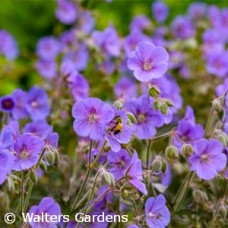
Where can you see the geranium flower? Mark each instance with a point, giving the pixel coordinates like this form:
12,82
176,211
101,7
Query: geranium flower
160,11
91,117
148,61
208,158
157,214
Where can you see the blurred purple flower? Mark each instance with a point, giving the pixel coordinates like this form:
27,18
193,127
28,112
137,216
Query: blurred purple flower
66,11
133,174
27,151
38,128
6,138
19,111
8,45
140,23
147,118
148,61
197,10
48,48
37,104
6,164
182,27
91,117
160,11
46,68
217,64
187,130
157,214
125,88
108,41
46,206
222,88
86,22
208,158
118,162
7,104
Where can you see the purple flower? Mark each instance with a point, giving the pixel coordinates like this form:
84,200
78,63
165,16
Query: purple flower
6,164
66,12
208,158
86,22
182,27
46,206
125,88
8,45
118,131
148,61
48,48
222,88
147,118
197,10
140,23
19,111
91,117
187,130
134,173
78,58
7,103
37,103
46,68
38,128
27,151
6,138
160,11
217,64
157,214
118,163
108,41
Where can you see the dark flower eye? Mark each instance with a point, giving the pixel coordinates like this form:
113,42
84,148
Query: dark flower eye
7,104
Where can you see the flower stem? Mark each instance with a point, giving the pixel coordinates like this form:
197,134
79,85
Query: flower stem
209,120
90,167
183,190
148,154
28,195
22,192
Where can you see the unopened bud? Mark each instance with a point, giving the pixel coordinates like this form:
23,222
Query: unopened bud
131,117
156,105
154,91
164,166
43,166
216,103
119,103
50,157
172,152
199,196
33,177
56,154
222,139
109,178
157,165
169,103
187,150
164,108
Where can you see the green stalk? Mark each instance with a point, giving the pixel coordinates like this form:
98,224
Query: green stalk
183,190
148,154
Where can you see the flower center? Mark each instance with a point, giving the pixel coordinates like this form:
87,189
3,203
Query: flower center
151,215
92,118
141,117
34,104
24,152
147,66
204,158
7,104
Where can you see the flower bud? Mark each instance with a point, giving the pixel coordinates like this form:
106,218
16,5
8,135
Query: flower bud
131,117
199,196
108,177
56,154
156,105
172,152
216,103
154,91
157,164
50,157
33,177
164,166
187,150
222,139
164,108
169,103
119,103
43,166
